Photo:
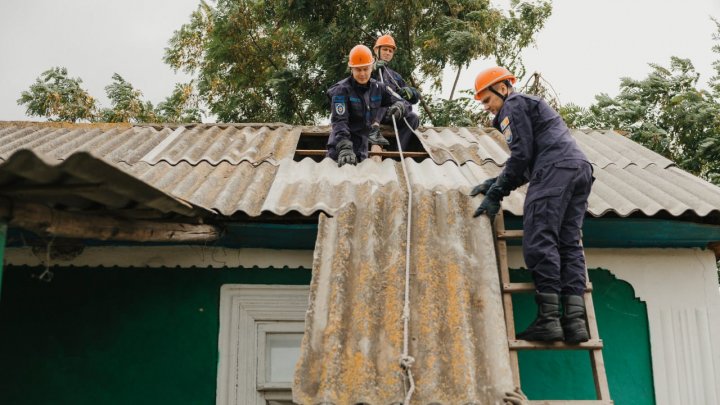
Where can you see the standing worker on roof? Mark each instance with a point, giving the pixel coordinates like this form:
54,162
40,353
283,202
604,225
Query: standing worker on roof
385,51
355,104
543,152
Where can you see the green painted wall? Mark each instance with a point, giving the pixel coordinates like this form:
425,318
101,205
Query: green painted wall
116,336
3,234
623,324
141,336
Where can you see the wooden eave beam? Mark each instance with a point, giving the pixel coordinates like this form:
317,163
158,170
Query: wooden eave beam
44,220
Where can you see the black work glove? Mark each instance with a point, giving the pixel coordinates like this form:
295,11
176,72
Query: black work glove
406,93
346,154
396,110
375,138
380,64
489,205
483,187
515,398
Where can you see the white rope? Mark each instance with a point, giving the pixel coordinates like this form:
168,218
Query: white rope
406,361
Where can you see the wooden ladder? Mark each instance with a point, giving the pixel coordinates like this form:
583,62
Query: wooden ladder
594,345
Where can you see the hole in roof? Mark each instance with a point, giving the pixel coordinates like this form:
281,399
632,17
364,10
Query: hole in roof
313,144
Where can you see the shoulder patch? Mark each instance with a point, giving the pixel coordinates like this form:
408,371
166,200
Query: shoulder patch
508,135
504,124
338,99
340,108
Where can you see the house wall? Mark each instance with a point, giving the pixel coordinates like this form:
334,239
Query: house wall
116,335
679,287
149,334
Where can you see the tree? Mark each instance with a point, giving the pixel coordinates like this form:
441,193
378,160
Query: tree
273,60
58,97
538,86
665,112
182,105
126,104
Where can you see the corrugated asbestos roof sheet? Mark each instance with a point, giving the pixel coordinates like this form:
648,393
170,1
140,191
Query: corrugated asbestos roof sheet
216,144
229,168
121,144
83,180
603,148
307,187
353,338
192,143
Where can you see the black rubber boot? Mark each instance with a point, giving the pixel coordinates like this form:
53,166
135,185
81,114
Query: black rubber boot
375,138
573,320
546,327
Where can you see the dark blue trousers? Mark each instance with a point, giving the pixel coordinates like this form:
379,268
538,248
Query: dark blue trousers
554,210
405,133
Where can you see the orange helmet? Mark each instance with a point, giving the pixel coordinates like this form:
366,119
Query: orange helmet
385,40
490,76
360,56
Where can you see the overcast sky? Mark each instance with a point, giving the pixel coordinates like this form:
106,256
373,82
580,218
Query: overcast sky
584,49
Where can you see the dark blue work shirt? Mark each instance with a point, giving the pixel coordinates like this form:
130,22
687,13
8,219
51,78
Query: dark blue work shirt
537,137
354,108
394,81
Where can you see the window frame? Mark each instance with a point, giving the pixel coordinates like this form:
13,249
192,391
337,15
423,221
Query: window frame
246,311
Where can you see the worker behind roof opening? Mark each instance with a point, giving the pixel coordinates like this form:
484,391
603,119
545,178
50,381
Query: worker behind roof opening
384,52
543,153
355,103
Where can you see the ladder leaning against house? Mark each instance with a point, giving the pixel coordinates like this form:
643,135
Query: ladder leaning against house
593,346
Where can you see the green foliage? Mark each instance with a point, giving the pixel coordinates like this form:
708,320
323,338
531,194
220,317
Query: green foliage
126,104
665,112
517,33
460,112
182,105
273,60
58,97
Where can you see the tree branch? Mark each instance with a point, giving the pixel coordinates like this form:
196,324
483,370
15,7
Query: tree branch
424,105
457,76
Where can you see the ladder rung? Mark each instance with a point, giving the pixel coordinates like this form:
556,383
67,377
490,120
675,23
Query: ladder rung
510,234
530,287
571,402
592,344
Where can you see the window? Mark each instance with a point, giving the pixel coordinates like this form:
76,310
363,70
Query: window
261,329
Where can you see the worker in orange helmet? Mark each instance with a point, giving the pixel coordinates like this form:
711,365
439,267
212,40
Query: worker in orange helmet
385,51
545,155
355,104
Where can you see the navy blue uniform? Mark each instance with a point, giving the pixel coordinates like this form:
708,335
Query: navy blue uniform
394,81
543,152
354,108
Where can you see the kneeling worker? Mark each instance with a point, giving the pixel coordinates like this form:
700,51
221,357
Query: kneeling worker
543,153
385,51
355,103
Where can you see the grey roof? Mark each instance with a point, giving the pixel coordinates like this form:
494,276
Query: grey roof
230,168
82,181
603,148
353,329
